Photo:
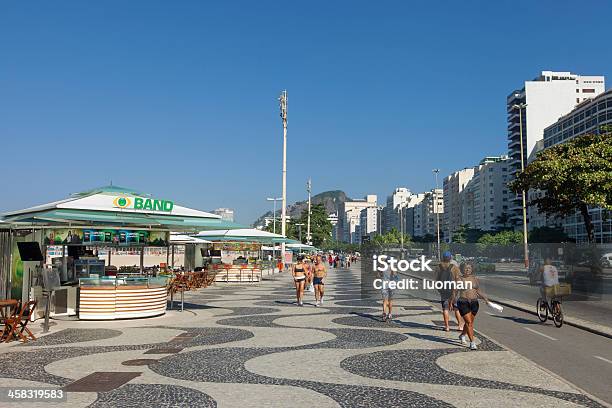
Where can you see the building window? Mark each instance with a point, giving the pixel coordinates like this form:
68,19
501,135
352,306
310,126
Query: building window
577,90
588,90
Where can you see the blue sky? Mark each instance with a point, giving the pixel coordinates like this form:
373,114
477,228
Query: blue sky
179,99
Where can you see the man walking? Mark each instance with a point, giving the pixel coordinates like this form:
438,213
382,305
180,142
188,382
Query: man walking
448,273
319,272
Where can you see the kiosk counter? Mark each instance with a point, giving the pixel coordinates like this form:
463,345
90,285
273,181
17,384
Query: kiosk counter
122,298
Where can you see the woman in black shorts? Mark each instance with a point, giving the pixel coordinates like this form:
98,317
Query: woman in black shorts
299,278
467,303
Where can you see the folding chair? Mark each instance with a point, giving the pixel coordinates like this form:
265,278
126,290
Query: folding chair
9,324
18,322
25,317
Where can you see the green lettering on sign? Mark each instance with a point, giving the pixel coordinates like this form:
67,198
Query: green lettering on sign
140,203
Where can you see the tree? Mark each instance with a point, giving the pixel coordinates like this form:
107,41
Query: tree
503,220
502,238
574,176
459,235
339,246
426,238
466,235
320,226
393,237
542,235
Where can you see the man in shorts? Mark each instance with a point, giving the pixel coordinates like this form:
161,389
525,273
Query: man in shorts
319,272
448,272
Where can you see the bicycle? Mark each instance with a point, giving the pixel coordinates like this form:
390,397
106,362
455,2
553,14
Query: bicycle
556,312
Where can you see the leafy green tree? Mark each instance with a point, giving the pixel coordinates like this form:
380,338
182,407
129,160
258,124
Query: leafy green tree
503,220
426,238
393,237
338,246
460,235
543,235
573,175
502,238
320,226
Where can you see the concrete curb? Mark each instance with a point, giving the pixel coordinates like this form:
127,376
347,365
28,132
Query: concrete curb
572,321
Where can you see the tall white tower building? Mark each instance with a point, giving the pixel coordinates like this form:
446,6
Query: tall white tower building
547,97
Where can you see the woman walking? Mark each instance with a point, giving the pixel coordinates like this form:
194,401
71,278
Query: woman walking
387,276
299,278
467,302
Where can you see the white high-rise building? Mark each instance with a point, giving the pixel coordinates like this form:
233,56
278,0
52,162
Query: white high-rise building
547,97
485,197
587,118
368,222
349,218
227,214
409,211
391,214
454,185
425,213
398,212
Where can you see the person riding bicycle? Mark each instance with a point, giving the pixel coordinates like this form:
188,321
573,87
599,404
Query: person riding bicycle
550,277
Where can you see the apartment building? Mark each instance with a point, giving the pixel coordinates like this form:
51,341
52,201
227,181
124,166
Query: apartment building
227,214
425,219
349,218
453,188
546,98
369,220
587,117
486,196
390,213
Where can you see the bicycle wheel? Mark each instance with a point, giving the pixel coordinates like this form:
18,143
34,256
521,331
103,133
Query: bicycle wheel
542,309
557,313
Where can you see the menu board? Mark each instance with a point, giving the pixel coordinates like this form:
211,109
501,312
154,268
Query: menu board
125,237
236,246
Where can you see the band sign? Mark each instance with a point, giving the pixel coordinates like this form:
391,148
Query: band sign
140,203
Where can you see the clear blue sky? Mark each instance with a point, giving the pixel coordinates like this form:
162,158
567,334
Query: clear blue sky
178,98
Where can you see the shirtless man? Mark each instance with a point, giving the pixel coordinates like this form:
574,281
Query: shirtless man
319,273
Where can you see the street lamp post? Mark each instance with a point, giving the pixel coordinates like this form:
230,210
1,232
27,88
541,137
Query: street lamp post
283,113
520,107
401,221
435,198
274,212
309,189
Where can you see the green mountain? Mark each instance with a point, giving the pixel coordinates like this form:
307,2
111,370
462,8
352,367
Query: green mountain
330,199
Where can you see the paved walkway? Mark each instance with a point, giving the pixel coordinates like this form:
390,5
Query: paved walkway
251,346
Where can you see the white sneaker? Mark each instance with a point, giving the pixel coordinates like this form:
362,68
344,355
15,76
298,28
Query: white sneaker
473,346
463,338
321,302
389,316
317,304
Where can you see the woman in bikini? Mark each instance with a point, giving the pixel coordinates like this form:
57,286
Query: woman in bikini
467,302
299,278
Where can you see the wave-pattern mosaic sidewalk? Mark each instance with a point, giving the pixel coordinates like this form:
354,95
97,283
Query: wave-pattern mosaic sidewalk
252,346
